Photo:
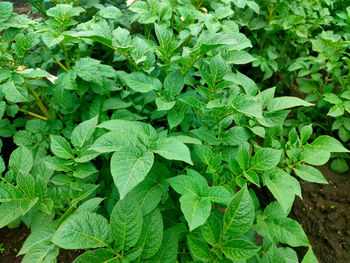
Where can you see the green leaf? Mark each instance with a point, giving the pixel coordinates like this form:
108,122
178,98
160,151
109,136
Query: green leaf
36,238
147,194
283,187
9,192
211,230
167,252
126,223
26,183
195,209
2,165
90,205
114,141
9,212
328,143
239,215
63,12
238,57
288,231
265,159
140,82
6,9
173,149
83,230
198,246
310,174
43,252
163,105
61,147
183,184
111,12
339,166
173,84
239,249
235,136
217,194
83,132
273,255
282,103
129,166
152,234
305,133
314,156
309,257
21,160
15,92
102,255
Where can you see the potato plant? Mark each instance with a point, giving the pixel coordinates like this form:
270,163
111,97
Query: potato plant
139,137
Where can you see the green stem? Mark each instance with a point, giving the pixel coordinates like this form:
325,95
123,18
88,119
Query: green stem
33,114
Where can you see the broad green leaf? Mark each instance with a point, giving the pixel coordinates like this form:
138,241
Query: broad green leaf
173,84
282,103
9,192
252,177
309,257
126,223
42,253
63,12
305,133
239,249
83,132
239,57
283,186
183,184
288,254
314,156
198,246
217,194
211,230
310,174
111,12
239,215
83,230
2,165
21,160
26,183
288,231
235,136
147,194
144,131
265,159
113,141
172,149
9,212
328,143
129,166
61,147
102,255
6,9
273,255
84,170
152,234
163,105
168,251
195,209
15,92
140,82
90,205
243,158
36,238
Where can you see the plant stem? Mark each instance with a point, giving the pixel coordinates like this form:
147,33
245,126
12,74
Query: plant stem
40,104
33,114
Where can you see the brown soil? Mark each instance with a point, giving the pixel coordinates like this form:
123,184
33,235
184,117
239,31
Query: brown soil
20,6
324,214
12,240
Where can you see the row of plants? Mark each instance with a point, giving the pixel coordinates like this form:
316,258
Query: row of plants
150,131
